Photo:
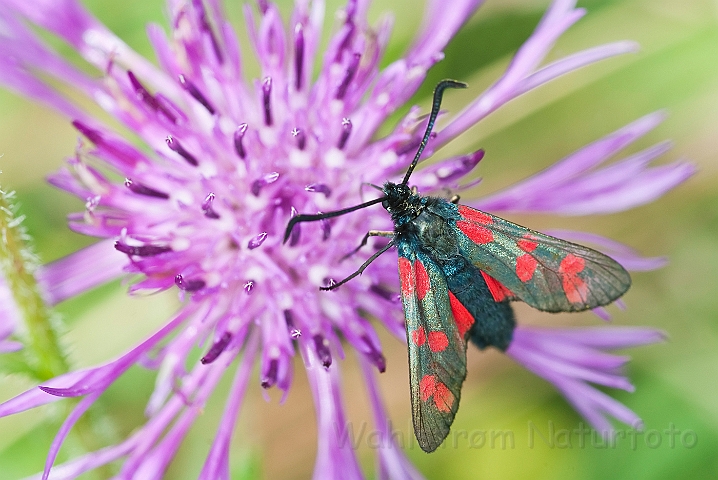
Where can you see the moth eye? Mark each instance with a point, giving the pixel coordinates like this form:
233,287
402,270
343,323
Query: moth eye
385,204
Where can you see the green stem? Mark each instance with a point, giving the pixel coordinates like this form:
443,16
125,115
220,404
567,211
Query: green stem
44,355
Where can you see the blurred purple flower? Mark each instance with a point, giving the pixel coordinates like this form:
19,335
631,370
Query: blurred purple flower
9,319
203,206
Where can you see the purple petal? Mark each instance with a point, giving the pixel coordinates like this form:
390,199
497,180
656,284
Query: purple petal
72,22
152,463
81,271
151,453
73,469
65,18
541,361
217,464
99,378
396,83
277,351
571,187
335,456
596,407
9,346
36,397
446,173
441,22
26,84
393,464
574,62
609,338
69,422
23,53
559,17
620,186
570,358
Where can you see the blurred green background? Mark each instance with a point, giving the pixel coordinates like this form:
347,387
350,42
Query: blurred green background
677,69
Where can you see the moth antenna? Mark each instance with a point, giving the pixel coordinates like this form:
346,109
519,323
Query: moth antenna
321,216
438,94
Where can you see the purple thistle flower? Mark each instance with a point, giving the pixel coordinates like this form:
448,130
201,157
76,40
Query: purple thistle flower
203,207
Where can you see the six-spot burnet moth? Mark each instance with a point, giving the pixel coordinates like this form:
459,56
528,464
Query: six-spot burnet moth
459,269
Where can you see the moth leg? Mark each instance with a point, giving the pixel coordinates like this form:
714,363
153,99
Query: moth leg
361,269
455,199
370,233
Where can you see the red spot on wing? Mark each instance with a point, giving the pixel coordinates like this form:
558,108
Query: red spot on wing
525,267
406,275
571,265
575,289
418,336
497,289
476,233
464,320
443,398
438,341
422,280
427,387
574,286
527,245
475,215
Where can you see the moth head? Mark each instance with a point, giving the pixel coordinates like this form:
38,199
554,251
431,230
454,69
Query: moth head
396,194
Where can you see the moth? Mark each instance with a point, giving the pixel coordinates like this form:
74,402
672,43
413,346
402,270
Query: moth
459,270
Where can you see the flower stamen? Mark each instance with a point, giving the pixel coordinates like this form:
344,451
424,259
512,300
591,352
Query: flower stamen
207,209
145,96
300,137
346,130
259,184
257,241
266,92
296,231
207,30
140,189
141,250
189,285
321,345
270,377
326,228
177,147
319,188
348,76
238,136
298,55
294,332
375,355
192,89
216,349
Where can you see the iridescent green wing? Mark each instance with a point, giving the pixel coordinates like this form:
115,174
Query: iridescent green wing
437,330
547,273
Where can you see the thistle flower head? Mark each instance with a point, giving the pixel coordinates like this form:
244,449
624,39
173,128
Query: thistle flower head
225,161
